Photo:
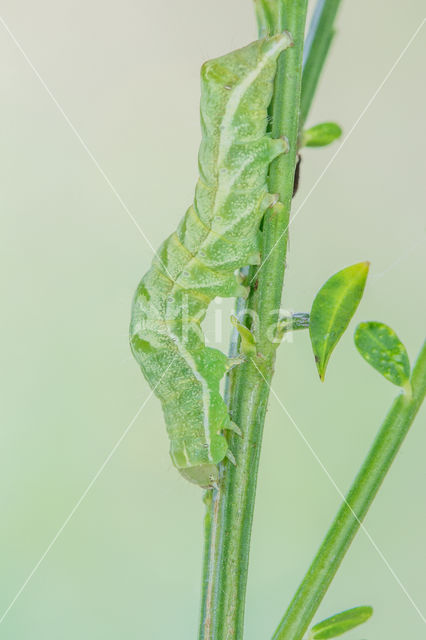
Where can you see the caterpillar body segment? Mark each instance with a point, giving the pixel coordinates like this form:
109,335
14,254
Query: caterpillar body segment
218,234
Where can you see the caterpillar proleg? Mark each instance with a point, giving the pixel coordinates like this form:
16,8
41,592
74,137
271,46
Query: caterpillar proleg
218,235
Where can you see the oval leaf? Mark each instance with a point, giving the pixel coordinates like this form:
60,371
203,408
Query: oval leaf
321,135
332,310
380,346
340,623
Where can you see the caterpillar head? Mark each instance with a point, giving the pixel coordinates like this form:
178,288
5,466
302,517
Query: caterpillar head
205,476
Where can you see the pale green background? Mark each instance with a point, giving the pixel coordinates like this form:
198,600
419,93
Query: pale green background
127,564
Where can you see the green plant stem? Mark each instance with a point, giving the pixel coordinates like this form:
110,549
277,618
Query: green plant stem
318,41
267,15
229,521
353,510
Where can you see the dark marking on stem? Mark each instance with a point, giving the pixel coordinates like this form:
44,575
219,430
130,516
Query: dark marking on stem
297,174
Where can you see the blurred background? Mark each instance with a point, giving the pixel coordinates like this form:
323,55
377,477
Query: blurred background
127,562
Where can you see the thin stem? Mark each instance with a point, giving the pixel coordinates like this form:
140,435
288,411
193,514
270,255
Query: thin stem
318,41
231,511
352,512
267,16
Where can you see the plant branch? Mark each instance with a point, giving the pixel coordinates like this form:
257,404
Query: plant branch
352,512
229,520
317,45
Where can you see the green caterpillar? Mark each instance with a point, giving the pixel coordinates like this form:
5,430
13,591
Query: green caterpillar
218,235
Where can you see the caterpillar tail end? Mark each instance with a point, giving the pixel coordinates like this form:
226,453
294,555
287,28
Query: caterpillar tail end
205,476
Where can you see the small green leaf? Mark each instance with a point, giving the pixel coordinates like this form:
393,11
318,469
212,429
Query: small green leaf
380,346
332,310
321,135
248,343
340,623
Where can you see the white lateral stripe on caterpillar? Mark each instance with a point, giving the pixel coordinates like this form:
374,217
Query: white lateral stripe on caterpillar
206,396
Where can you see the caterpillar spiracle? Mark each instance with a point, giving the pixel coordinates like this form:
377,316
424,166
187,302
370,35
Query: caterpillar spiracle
218,235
